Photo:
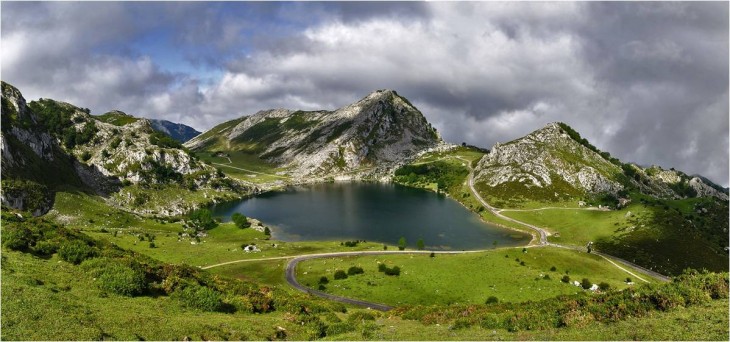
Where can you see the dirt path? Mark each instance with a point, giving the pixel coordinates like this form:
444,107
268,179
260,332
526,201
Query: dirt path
252,171
543,234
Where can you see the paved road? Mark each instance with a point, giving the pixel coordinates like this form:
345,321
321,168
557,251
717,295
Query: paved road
544,241
291,266
291,277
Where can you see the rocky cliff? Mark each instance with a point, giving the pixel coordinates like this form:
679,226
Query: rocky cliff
179,132
554,163
49,145
381,129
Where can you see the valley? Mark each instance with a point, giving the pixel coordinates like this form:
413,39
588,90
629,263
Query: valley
134,203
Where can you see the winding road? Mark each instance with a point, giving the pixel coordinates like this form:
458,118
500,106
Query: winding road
295,260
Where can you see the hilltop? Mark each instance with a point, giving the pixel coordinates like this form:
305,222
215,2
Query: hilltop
555,163
379,131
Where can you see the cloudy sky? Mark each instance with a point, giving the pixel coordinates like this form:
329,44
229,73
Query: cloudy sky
647,82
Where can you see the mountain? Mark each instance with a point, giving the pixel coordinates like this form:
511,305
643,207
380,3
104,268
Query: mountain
378,131
179,132
49,146
555,163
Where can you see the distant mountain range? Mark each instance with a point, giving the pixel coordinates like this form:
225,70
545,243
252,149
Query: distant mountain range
48,145
179,132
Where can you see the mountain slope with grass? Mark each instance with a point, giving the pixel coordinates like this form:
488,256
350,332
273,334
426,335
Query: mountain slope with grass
378,131
555,163
50,145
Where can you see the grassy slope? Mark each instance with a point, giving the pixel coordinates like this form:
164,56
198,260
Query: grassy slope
262,171
466,279
667,236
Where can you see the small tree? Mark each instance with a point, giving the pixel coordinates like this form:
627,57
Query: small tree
586,284
240,220
420,244
201,219
267,231
402,243
385,247
340,274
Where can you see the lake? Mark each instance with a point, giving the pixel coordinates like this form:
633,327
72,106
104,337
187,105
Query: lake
371,212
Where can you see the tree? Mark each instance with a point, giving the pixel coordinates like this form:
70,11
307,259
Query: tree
201,219
586,284
385,247
420,244
267,231
240,220
402,243
355,270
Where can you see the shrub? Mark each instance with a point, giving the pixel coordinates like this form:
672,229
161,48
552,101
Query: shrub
16,238
355,270
321,287
75,251
565,279
546,277
604,286
240,220
324,280
420,245
122,280
402,243
199,297
340,274
586,284
361,316
340,328
553,269
492,300
395,271
382,267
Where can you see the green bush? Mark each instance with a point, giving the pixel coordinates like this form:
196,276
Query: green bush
340,274
565,279
324,280
361,316
395,271
355,270
340,328
75,251
16,237
199,297
492,300
604,286
240,220
122,280
586,284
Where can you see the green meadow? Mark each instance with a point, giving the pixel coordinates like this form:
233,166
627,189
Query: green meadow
509,274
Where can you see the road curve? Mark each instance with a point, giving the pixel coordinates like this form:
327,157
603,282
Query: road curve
543,235
292,279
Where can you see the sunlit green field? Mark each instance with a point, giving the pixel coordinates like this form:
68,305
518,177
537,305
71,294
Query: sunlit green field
465,278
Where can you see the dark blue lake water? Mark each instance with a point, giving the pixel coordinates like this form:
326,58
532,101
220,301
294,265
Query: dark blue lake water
371,212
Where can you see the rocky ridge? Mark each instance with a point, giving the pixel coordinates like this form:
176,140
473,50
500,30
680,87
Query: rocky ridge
55,144
374,133
555,160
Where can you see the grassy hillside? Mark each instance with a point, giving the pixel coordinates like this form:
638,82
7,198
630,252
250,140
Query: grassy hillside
664,235
510,275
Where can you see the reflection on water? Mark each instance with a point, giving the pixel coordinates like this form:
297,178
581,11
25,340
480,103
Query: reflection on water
371,212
